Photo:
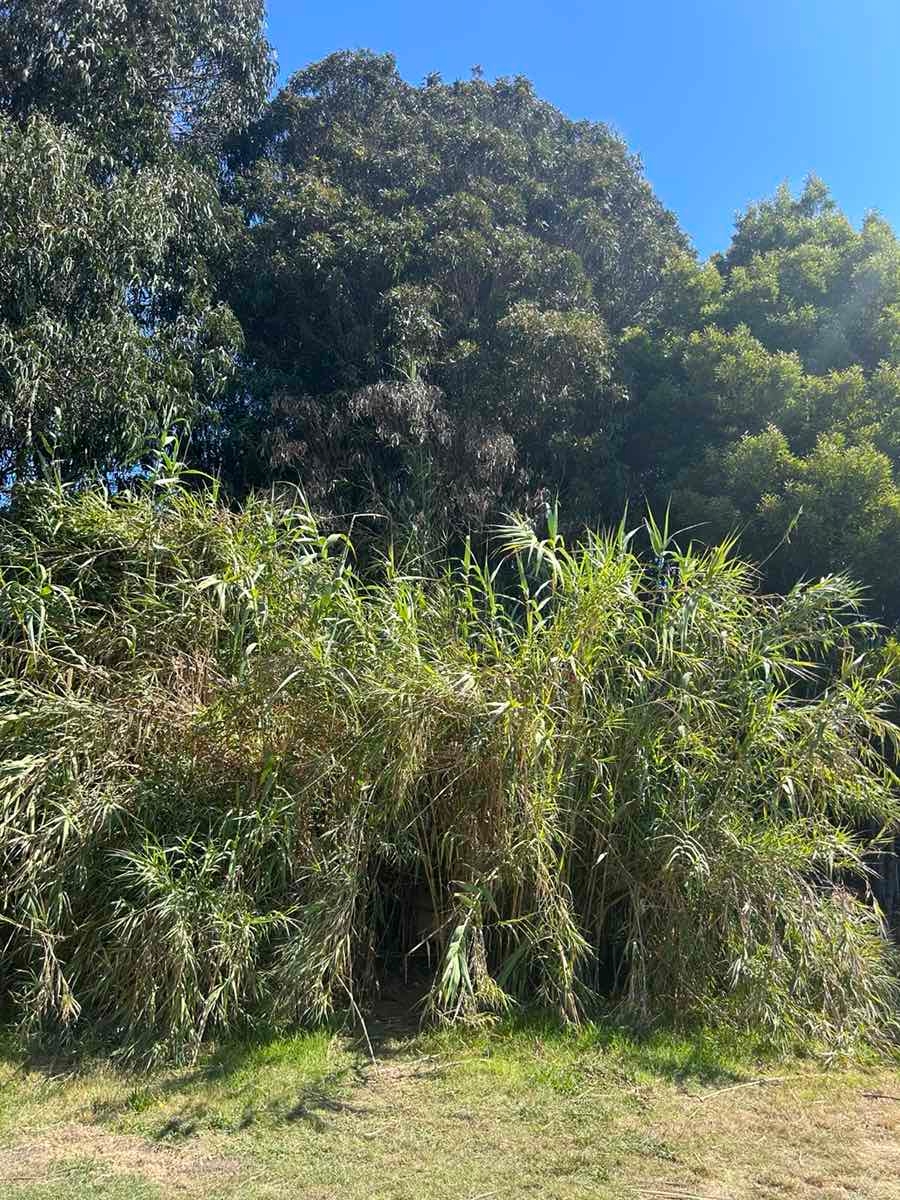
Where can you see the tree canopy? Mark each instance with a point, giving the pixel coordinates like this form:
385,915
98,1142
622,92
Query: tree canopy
131,76
111,117
437,302
430,284
775,398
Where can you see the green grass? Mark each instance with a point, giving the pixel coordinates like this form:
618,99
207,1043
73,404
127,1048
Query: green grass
77,1179
517,1109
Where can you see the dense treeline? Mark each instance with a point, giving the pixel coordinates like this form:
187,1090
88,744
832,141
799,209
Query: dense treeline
431,285
438,302
232,751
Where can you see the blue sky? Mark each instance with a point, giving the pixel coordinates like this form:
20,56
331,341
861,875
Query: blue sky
723,99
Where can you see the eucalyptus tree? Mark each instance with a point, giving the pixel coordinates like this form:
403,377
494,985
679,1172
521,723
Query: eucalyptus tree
111,118
132,75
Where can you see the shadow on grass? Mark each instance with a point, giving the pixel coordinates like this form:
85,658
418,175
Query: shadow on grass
269,1080
701,1056
265,1080
310,1105
95,1050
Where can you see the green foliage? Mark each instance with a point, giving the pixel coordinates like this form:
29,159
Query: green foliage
430,284
773,398
123,73
106,323
234,763
434,303
230,765
110,219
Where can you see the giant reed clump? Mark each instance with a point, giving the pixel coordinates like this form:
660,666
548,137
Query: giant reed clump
228,762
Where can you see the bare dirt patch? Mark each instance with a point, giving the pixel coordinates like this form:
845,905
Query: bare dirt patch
783,1139
187,1170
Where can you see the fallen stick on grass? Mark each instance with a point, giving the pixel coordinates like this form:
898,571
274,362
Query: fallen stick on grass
734,1087
677,1195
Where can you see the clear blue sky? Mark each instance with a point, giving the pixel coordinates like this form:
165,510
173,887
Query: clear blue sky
723,99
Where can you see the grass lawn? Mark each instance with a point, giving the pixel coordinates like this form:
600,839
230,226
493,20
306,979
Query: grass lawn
520,1110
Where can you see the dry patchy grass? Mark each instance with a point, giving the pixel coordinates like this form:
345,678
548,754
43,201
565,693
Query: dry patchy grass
519,1111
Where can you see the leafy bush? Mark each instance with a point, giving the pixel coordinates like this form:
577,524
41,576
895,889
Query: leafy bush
231,765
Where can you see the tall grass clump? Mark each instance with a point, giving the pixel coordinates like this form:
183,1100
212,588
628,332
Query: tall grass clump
235,772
